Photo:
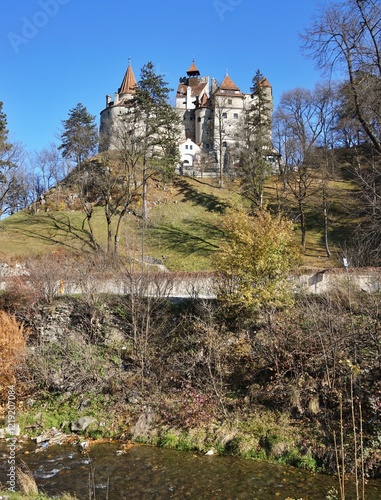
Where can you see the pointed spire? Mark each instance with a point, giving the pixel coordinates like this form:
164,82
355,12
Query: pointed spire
228,84
193,71
129,81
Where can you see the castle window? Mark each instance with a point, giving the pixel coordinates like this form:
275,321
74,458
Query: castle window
230,101
224,115
206,145
224,144
199,119
235,116
190,147
186,146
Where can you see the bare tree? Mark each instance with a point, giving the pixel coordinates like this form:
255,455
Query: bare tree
220,106
51,165
326,100
144,310
345,36
300,116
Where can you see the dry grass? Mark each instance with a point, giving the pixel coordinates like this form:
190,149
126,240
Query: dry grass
13,338
26,481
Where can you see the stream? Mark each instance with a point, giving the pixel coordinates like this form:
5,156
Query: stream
144,472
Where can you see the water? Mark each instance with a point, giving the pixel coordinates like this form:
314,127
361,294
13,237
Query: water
152,473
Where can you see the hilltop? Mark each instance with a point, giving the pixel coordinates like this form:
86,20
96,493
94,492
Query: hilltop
183,226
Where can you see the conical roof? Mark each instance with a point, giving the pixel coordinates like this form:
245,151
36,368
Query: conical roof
264,82
129,82
193,69
228,84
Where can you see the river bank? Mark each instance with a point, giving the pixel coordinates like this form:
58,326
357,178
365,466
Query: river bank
106,470
188,376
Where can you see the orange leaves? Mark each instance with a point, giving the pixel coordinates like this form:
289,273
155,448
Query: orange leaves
12,349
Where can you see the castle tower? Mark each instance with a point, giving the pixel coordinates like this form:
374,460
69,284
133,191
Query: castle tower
228,109
115,109
193,75
191,90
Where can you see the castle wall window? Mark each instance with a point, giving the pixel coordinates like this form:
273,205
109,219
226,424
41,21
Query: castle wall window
230,101
224,115
190,147
199,119
235,116
186,146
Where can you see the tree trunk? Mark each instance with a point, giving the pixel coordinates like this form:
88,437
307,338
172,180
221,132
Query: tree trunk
303,226
326,222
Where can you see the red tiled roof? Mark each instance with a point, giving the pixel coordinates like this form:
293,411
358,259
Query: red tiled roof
228,84
204,100
264,82
193,69
197,89
129,82
182,89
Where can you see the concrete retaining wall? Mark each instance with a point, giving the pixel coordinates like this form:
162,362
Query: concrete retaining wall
202,285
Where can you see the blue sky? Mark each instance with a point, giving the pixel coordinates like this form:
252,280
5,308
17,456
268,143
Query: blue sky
56,53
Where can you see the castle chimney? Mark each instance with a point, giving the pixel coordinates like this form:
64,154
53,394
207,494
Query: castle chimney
116,98
108,100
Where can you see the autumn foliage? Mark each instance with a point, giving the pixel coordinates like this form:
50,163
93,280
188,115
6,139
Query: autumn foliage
12,350
255,260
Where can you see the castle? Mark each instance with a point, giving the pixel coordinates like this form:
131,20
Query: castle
210,116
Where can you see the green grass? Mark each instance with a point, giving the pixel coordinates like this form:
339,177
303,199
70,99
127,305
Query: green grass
184,224
25,234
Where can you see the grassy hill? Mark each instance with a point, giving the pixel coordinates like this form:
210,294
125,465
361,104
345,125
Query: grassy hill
183,227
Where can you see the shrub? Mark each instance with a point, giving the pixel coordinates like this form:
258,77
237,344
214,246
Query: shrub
12,351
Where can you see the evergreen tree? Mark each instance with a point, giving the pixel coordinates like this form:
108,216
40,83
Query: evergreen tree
80,135
143,143
7,162
257,147
4,145
158,126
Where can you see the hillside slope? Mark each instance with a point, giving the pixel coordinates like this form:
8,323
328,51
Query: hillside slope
183,226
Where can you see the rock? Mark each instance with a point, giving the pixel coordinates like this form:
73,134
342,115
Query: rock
84,445
145,423
209,452
84,404
48,435
82,423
